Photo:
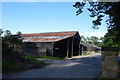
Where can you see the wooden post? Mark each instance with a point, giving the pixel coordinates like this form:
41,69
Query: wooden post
79,48
72,47
52,49
82,52
67,48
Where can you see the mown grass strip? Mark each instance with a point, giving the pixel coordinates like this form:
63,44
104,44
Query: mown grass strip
43,57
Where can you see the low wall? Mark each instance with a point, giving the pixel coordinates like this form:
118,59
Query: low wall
110,62
119,66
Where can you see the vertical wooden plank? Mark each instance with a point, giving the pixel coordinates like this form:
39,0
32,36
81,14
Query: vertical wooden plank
67,48
72,47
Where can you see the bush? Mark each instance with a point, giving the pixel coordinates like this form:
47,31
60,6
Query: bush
11,47
6,66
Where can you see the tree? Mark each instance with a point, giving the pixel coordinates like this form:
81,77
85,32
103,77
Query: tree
110,39
7,33
89,40
102,39
92,40
83,39
11,47
19,32
1,32
99,10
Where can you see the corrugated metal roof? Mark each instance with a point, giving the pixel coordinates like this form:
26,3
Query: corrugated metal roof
47,37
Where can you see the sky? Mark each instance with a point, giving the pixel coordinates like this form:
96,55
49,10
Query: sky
37,17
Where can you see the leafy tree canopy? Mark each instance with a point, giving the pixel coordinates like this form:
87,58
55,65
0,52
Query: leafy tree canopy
92,40
99,10
110,39
19,32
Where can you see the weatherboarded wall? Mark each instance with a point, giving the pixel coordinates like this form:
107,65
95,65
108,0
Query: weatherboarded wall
39,49
56,49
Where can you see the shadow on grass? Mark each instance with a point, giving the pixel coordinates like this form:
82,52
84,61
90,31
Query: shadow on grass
8,67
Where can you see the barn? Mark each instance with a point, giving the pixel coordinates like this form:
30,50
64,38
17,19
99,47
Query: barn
83,48
89,47
56,44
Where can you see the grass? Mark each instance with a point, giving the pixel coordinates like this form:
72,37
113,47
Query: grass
8,67
38,61
87,53
29,63
55,58
43,57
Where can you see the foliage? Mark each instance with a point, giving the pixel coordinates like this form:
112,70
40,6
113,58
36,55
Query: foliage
11,47
7,33
19,32
12,57
110,39
92,40
6,66
99,10
1,32
83,39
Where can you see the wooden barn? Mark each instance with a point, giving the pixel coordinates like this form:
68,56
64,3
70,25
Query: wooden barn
57,44
89,47
83,48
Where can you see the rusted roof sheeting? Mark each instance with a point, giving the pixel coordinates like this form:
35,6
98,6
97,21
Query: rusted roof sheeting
47,37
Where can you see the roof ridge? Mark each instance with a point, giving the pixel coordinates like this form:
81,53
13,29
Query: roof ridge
51,32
